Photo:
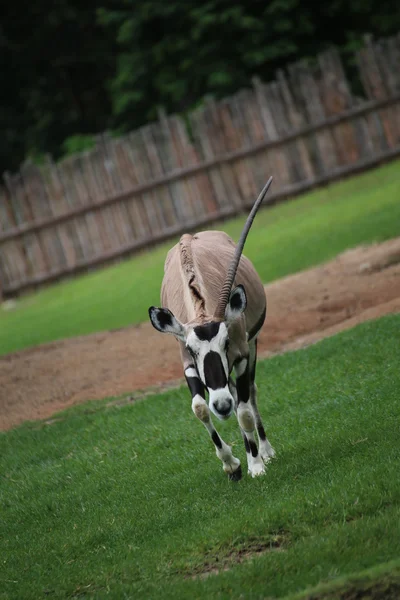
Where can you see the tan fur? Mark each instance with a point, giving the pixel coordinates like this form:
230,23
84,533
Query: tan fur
194,273
189,273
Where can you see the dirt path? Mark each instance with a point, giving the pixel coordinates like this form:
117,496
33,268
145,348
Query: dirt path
360,284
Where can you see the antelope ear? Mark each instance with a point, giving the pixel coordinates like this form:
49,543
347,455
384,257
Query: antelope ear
163,320
237,304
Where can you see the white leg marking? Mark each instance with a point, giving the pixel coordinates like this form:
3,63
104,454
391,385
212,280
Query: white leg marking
248,454
247,424
230,464
191,372
255,466
255,463
266,450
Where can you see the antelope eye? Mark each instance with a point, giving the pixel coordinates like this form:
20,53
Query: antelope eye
191,352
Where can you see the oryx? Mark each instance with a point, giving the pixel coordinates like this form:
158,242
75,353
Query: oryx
217,330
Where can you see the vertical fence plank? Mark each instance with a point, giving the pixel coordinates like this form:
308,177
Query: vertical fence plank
111,214
248,166
150,215
256,169
239,137
123,172
181,193
134,205
198,186
268,109
389,76
219,145
375,88
7,272
78,230
60,206
35,260
282,122
200,125
41,208
304,166
391,60
171,205
13,257
93,193
310,82
336,98
122,218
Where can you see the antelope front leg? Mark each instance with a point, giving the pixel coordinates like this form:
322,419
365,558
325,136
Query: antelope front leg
266,450
230,464
246,419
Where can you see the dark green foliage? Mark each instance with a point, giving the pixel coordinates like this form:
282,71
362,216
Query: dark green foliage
78,143
55,62
174,53
79,68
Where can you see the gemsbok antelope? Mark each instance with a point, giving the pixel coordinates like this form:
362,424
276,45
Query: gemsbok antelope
217,330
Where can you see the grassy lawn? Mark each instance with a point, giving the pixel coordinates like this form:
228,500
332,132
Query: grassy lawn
131,502
287,238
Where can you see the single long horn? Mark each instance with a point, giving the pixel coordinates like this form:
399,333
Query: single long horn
231,273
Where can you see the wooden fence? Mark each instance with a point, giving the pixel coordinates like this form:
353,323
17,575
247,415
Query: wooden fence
305,128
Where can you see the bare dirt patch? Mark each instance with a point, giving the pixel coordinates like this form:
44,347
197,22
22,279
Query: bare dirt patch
225,558
360,284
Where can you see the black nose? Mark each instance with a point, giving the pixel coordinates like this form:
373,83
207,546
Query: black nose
223,407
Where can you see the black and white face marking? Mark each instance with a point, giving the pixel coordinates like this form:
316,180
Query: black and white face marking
214,372
208,345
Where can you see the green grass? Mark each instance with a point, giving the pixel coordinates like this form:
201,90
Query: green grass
131,502
284,239
381,582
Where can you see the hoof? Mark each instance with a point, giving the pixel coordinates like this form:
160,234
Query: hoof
257,469
236,475
267,453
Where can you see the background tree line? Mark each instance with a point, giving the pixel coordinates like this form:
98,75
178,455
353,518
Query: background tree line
71,69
